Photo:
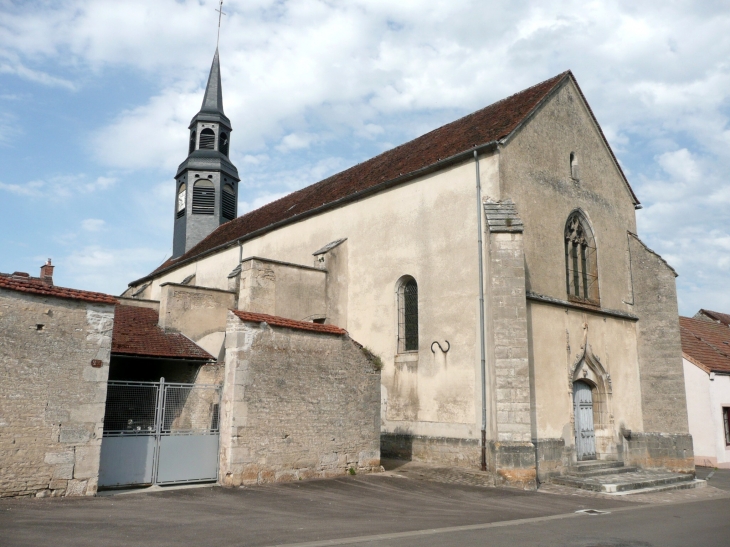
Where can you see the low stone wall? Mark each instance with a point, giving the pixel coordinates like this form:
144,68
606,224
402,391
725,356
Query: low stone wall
51,397
553,457
296,405
437,450
660,450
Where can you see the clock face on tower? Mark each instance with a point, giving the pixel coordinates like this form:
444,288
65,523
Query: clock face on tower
181,196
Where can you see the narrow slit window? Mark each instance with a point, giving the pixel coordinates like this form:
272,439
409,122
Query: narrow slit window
181,199
581,264
408,315
203,198
223,144
726,421
191,147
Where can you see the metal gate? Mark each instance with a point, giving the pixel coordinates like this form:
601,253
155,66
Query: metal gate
585,436
159,433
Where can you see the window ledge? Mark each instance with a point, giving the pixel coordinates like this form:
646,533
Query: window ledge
406,357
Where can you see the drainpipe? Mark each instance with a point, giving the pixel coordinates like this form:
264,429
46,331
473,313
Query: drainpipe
481,316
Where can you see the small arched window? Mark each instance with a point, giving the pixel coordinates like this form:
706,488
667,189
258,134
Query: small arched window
191,147
207,139
228,202
407,315
223,144
574,166
203,197
581,260
182,195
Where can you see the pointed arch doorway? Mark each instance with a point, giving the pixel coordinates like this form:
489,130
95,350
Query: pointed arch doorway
585,434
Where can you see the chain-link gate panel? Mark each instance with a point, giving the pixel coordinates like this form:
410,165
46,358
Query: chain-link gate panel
156,432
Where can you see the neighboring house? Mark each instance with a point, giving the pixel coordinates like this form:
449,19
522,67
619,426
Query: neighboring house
492,264
706,353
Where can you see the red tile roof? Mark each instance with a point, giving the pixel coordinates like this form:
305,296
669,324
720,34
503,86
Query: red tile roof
482,127
27,284
275,321
136,333
706,344
723,318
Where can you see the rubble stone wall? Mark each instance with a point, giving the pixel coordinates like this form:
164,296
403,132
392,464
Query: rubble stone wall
296,405
51,397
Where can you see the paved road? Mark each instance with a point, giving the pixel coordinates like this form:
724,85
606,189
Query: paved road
720,478
326,512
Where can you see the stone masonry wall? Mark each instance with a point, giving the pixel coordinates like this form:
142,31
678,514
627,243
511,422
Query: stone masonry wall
296,405
51,398
663,397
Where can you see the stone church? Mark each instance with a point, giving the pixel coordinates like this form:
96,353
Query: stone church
492,265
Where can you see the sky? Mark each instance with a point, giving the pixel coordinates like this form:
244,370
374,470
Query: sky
96,97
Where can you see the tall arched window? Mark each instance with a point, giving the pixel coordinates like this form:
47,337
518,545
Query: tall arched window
207,139
228,202
191,147
182,195
581,261
223,144
203,197
407,315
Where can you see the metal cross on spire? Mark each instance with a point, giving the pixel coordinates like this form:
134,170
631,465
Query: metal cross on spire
220,13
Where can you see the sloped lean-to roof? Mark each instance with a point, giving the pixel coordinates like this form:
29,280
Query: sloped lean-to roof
706,344
452,142
24,283
136,334
709,315
283,322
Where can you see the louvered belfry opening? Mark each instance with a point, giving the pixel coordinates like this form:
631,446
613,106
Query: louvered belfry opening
228,202
181,200
408,316
191,147
203,197
207,139
223,143
581,264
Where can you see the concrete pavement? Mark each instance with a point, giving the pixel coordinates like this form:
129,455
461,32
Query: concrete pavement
384,509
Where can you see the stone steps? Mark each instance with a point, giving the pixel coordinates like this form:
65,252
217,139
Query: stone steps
614,478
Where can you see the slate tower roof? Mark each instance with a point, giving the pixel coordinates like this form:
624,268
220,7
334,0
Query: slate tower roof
212,108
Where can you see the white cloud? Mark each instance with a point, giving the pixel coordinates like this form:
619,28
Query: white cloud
93,224
312,86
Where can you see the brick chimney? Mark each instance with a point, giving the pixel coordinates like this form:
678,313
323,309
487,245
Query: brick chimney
47,273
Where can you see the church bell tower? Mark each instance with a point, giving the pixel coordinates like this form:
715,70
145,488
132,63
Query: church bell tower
206,182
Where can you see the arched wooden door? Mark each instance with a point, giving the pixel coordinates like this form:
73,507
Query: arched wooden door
585,437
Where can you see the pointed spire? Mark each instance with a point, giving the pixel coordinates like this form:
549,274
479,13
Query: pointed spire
213,98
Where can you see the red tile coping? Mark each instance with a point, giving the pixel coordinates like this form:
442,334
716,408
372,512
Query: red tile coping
27,284
706,344
276,321
487,125
136,333
723,318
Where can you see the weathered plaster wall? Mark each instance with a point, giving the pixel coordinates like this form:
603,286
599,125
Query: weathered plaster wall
535,174
51,398
705,399
197,312
414,229
296,405
558,336
285,290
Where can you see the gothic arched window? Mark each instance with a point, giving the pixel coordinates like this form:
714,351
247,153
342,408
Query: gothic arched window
191,147
407,315
581,261
207,139
223,144
228,202
182,195
203,197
